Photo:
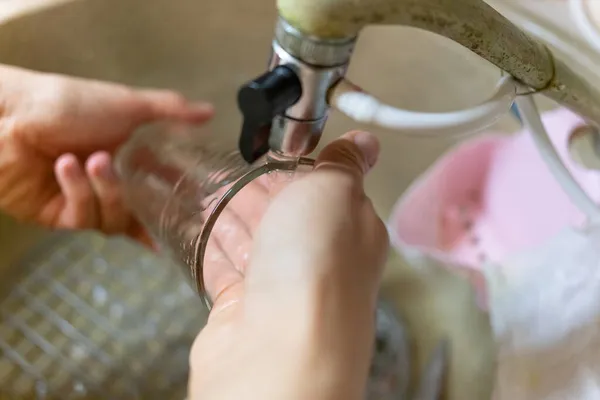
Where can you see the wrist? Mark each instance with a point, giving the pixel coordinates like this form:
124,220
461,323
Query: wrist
320,343
339,353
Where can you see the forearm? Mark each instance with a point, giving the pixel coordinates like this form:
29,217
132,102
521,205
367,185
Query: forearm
288,352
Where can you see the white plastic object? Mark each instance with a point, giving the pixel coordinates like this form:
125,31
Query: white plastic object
583,20
548,354
532,120
365,108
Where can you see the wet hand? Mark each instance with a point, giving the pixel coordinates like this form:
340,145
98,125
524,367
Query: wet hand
295,319
57,138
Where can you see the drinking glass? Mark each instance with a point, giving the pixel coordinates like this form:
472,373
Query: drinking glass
179,181
201,202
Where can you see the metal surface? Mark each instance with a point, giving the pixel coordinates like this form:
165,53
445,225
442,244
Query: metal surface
309,48
318,64
316,51
85,317
471,23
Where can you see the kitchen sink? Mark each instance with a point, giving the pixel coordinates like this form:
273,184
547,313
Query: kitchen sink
87,316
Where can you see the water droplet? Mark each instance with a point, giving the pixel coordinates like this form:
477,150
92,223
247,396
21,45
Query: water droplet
99,296
78,352
79,388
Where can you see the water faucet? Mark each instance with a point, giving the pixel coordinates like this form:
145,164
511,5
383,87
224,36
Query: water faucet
286,108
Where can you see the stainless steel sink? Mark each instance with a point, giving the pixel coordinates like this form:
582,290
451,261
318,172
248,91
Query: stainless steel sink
84,316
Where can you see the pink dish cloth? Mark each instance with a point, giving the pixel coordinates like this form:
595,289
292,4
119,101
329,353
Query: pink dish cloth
490,197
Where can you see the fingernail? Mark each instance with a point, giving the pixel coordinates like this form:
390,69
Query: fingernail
201,110
202,107
72,169
368,146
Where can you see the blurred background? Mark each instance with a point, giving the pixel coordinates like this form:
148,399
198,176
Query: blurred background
85,316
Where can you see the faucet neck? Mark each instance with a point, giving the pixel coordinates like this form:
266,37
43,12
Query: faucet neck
319,64
312,50
285,110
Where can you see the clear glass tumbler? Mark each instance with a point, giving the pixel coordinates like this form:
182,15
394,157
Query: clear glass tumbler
180,182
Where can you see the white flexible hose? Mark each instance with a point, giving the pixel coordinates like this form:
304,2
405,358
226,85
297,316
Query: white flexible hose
365,108
586,26
533,122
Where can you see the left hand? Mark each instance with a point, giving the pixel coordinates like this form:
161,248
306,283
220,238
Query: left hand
57,139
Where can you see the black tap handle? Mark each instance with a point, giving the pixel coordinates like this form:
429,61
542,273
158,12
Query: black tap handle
260,101
254,141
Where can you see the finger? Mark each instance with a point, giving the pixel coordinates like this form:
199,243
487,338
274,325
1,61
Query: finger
228,248
113,216
172,105
80,203
249,205
355,151
234,238
219,274
227,300
378,232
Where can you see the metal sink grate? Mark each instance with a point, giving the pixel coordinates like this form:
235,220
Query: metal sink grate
86,317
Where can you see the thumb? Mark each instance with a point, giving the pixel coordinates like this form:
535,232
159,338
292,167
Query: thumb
355,151
227,303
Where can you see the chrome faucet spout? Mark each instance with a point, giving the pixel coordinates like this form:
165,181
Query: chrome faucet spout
315,39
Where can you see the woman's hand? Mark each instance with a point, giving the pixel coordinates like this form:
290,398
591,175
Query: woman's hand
57,138
298,321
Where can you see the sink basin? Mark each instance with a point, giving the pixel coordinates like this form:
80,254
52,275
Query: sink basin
60,290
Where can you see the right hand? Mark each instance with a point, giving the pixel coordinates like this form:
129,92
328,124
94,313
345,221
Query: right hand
299,322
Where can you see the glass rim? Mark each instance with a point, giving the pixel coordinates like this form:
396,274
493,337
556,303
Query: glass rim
271,165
